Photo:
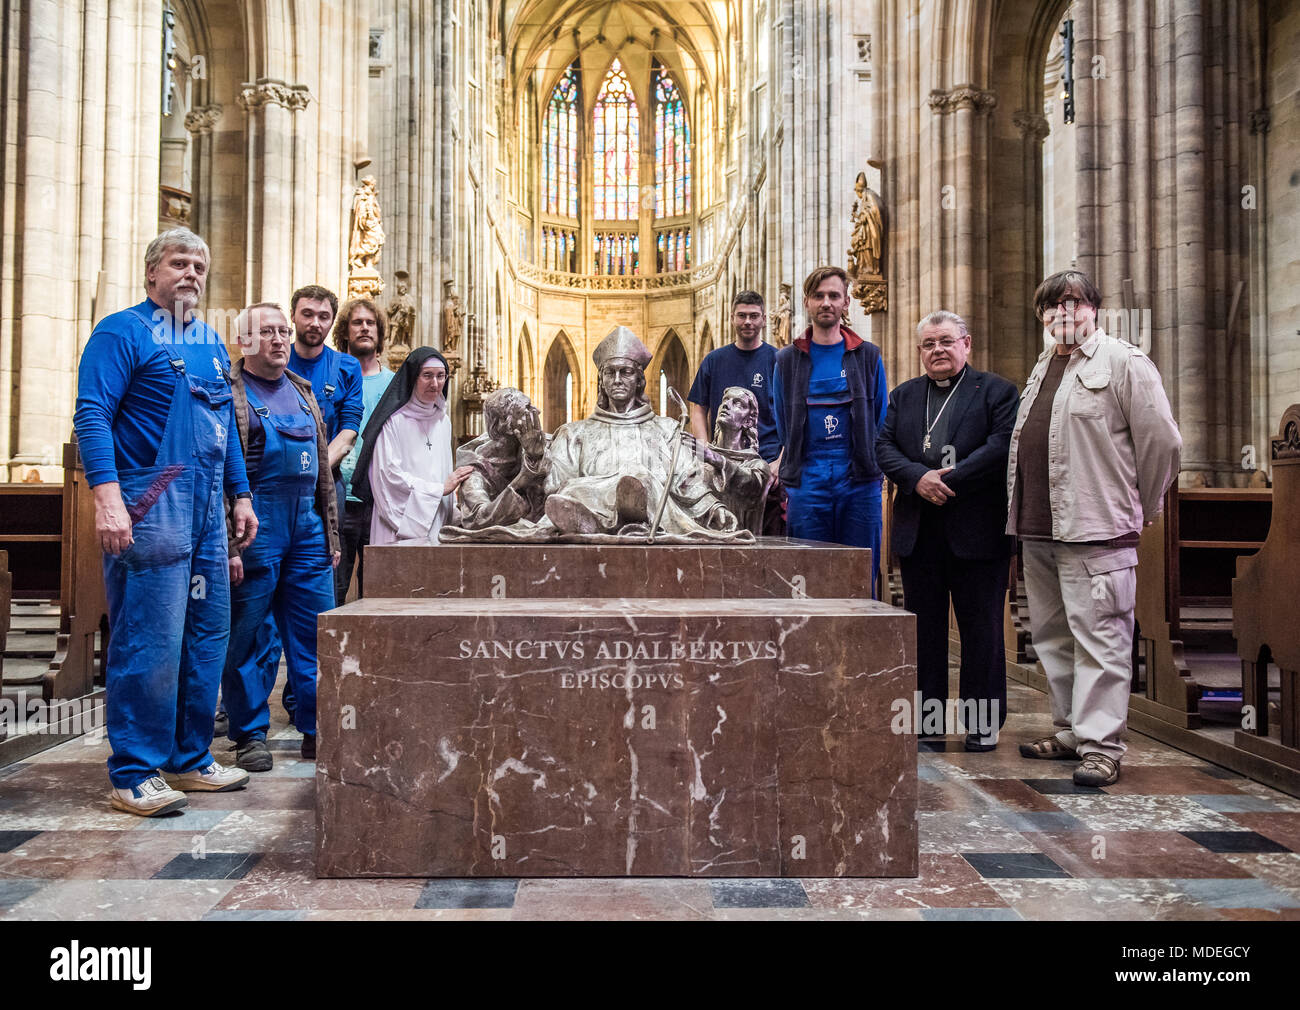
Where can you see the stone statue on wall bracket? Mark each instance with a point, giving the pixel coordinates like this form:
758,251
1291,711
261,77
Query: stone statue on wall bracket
452,320
365,242
867,249
401,322
783,319
625,474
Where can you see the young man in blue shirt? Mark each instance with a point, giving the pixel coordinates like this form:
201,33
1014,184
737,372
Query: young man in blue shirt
829,394
155,427
747,362
360,332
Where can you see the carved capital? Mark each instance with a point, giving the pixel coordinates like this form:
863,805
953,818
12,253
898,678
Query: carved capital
964,96
202,119
294,97
1032,125
1260,121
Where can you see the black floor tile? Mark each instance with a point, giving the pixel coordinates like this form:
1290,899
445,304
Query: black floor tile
484,892
13,839
941,746
776,892
213,866
14,891
1235,841
1014,864
1060,787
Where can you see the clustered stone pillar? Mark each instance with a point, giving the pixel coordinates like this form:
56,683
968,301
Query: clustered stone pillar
79,203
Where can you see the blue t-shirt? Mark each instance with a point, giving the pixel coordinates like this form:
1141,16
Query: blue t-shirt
373,388
125,384
730,366
340,407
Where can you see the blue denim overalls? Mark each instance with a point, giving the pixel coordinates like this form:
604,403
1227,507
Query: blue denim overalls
288,577
169,592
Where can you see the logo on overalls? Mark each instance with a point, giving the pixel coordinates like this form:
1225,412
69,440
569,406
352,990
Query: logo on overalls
216,363
832,422
758,379
306,461
842,375
221,433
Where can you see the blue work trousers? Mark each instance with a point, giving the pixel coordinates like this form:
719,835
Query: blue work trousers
829,507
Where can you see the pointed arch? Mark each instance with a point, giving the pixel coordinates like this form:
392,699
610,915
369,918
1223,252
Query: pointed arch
524,364
670,367
672,146
560,157
561,394
705,343
616,148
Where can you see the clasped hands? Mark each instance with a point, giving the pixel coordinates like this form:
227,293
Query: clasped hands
932,488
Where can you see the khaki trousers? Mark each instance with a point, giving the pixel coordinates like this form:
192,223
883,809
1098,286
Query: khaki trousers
1081,601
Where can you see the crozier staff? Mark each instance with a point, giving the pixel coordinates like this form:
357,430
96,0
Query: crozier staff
405,466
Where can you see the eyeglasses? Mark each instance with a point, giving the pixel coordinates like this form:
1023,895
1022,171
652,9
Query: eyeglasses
269,333
1064,305
947,343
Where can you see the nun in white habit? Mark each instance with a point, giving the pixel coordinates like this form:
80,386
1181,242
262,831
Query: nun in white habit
406,456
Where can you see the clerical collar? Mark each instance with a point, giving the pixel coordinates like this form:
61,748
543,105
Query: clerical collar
945,383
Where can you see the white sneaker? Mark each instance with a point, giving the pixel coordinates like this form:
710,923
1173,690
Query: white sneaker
151,797
215,778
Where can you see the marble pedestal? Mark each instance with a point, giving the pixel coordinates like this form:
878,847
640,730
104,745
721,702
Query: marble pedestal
774,567
608,737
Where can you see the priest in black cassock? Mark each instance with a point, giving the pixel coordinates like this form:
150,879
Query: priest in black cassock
944,444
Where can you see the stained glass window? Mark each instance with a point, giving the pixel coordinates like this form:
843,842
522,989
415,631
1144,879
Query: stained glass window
616,253
705,142
672,147
616,148
560,143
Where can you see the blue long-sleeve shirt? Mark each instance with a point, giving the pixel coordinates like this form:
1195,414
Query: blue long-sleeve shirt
341,410
124,393
826,363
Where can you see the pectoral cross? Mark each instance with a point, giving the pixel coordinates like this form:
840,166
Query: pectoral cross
925,446
429,445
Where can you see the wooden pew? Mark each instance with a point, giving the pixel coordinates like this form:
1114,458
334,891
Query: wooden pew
6,604
1264,620
84,608
1169,693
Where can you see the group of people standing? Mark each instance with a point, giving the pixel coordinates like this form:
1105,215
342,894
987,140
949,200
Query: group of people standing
1074,467
226,507
233,502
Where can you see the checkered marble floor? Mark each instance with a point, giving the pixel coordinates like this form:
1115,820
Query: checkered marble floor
1001,837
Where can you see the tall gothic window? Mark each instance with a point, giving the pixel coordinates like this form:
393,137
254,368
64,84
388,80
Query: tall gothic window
672,147
527,123
560,148
705,143
616,148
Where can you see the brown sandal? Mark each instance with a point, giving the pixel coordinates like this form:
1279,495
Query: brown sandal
1048,748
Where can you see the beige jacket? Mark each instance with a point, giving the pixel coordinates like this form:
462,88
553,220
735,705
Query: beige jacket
1113,444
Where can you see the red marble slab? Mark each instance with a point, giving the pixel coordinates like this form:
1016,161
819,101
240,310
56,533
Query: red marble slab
774,567
672,737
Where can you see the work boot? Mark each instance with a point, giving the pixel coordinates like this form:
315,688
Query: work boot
254,756
309,746
215,778
150,798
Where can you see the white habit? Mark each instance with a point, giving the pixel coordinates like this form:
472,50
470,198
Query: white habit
411,465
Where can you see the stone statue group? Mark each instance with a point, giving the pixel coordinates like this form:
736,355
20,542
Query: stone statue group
622,475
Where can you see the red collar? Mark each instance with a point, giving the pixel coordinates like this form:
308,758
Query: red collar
851,339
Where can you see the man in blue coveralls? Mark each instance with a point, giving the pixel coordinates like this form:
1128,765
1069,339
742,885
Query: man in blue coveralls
829,395
335,380
288,574
155,426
